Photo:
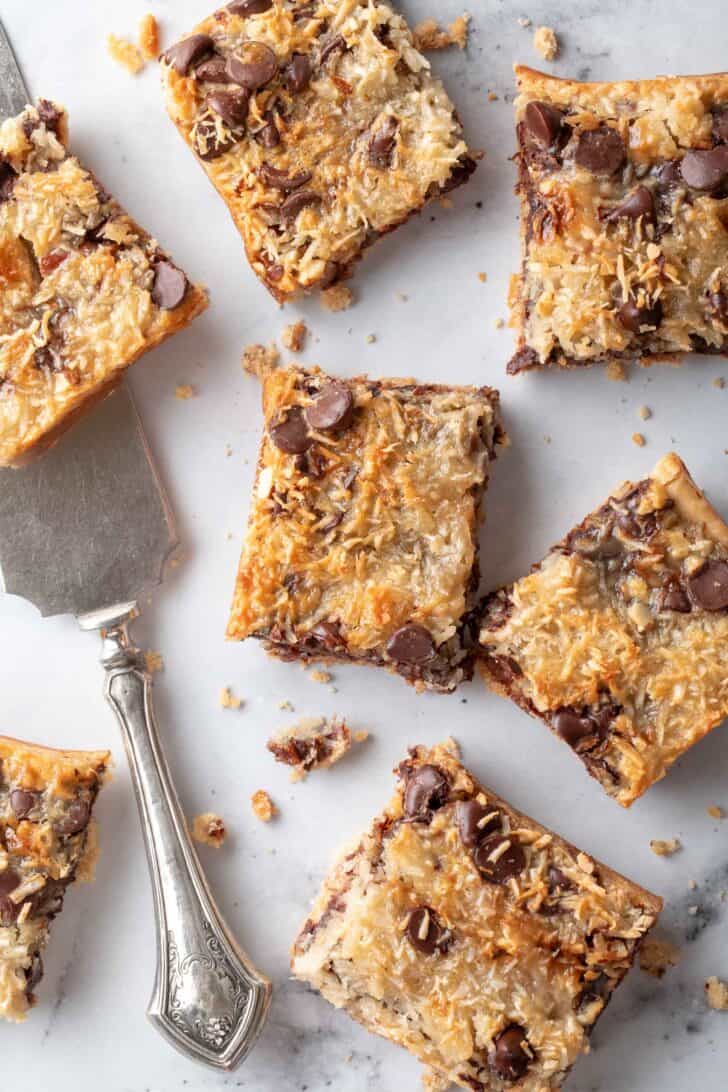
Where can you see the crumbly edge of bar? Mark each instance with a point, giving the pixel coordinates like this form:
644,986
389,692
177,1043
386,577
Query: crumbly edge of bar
587,94
328,914
464,670
462,169
22,944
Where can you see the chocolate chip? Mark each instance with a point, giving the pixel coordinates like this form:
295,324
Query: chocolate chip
510,1057
558,880
170,286
583,730
464,166
210,139
22,802
253,66
720,123
268,136
412,644
600,151
290,433
49,114
673,597
423,921
329,635
46,359
245,8
212,71
332,410
281,180
297,73
8,910
231,106
303,13
382,143
469,816
8,178
75,820
507,862
298,201
9,880
634,318
427,790
705,170
709,586
638,203
335,43
543,123
188,52
718,305
504,669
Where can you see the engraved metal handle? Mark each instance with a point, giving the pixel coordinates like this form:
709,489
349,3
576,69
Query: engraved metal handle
208,999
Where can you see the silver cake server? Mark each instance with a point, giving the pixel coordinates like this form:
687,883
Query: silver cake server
86,530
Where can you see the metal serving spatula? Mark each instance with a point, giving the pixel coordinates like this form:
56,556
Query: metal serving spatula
85,530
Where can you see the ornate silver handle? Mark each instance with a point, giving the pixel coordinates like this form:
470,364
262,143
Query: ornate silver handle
208,999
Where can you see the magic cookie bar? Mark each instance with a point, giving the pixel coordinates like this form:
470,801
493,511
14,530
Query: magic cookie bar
47,838
83,290
618,639
362,542
320,126
624,205
468,933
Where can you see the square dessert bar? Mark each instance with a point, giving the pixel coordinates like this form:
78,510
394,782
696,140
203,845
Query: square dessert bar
362,541
618,639
83,289
468,933
624,205
47,839
319,124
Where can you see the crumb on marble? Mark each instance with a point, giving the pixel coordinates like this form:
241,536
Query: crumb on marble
228,700
719,383
657,955
482,277
184,391
546,43
149,37
337,298
616,371
492,97
319,676
154,662
716,994
293,336
715,812
259,360
429,35
286,705
524,21
125,53
263,807
638,439
693,910
311,743
208,829
370,339
665,847
645,412
499,323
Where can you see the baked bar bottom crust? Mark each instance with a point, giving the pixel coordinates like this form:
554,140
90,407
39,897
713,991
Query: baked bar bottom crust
469,934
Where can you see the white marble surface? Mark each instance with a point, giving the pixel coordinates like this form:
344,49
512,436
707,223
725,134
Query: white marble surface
89,1029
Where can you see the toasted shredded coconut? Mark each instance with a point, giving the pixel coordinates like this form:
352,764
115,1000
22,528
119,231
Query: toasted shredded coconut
208,829
430,36
263,807
716,993
336,298
546,43
665,847
294,336
125,53
149,37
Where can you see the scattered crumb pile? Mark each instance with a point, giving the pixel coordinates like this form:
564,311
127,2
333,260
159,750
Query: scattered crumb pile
228,700
134,57
657,955
209,829
716,994
665,848
293,337
312,743
336,298
263,807
259,360
429,35
546,43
